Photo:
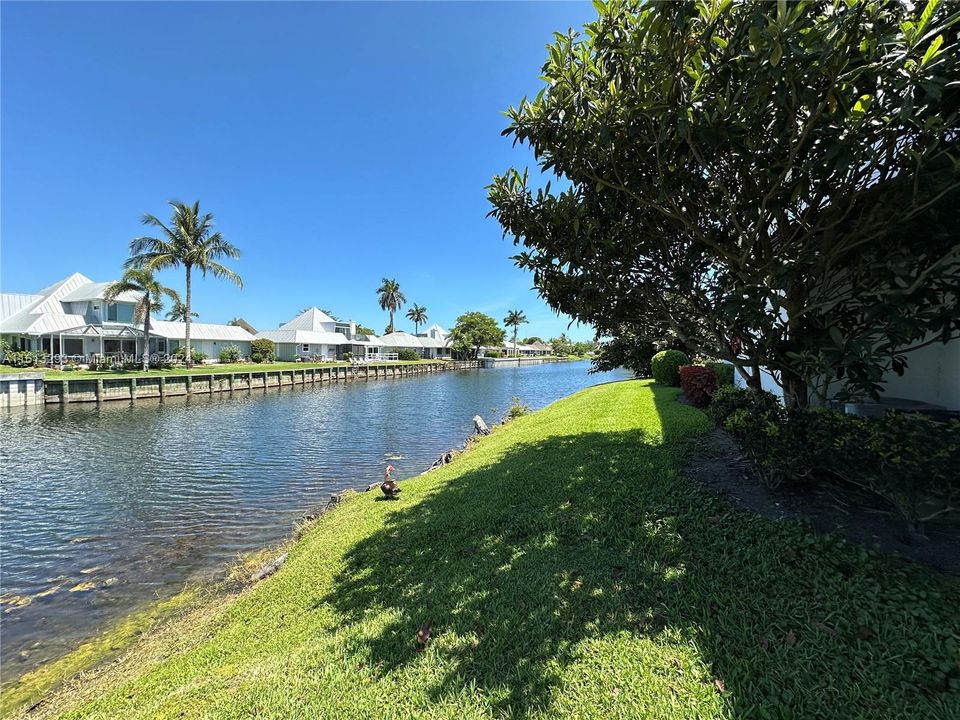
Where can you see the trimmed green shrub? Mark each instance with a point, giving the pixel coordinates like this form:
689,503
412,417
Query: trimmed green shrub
666,366
407,355
724,372
729,398
181,354
699,384
262,350
907,459
230,354
493,354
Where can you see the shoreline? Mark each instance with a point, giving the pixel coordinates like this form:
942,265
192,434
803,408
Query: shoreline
30,688
566,562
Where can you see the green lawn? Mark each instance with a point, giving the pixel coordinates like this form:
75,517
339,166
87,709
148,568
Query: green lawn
197,369
568,570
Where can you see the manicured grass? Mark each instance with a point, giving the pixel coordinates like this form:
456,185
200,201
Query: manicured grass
567,569
199,369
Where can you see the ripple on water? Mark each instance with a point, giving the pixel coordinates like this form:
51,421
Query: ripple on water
148,495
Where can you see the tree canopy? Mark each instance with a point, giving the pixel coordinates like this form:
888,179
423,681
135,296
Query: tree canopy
750,178
473,331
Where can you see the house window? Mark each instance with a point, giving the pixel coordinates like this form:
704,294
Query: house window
305,348
122,313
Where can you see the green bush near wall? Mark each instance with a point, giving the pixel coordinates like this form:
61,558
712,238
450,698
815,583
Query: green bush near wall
666,366
723,370
262,350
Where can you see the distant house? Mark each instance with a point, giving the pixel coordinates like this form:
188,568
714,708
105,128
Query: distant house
72,318
314,334
430,344
519,349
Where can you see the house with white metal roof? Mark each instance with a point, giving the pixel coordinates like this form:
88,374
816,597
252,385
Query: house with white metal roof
314,335
430,344
72,318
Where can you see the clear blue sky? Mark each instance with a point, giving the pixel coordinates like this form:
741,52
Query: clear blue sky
335,143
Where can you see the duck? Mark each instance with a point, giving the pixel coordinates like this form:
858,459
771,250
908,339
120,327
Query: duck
389,485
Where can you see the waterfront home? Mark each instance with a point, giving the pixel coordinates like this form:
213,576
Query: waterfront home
72,318
512,349
314,335
431,344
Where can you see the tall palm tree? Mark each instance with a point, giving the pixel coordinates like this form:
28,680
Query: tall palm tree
151,293
189,242
178,312
514,319
391,299
418,316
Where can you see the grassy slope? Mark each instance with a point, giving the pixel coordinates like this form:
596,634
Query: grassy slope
569,570
200,369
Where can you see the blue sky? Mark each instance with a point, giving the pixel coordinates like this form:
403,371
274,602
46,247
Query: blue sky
335,143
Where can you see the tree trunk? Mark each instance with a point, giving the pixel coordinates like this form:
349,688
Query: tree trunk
515,350
146,337
391,321
794,392
186,332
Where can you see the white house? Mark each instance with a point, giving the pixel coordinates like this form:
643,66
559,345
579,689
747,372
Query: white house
932,378
430,344
72,318
315,335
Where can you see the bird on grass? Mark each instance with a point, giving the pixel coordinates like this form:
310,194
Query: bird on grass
389,485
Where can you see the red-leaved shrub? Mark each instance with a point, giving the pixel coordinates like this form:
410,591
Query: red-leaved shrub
698,383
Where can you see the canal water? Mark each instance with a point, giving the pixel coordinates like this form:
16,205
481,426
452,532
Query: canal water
107,507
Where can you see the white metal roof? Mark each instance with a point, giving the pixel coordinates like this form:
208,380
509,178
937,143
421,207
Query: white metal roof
95,291
43,313
304,337
47,323
199,331
12,303
312,319
402,339
429,342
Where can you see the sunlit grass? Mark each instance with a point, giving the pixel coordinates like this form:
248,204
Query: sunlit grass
565,568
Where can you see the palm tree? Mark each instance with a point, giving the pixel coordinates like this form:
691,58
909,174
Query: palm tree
189,242
391,299
178,313
240,322
514,319
418,316
151,300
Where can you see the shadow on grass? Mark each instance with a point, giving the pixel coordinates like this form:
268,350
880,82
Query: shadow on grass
576,537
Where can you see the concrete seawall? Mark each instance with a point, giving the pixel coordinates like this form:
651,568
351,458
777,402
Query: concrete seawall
509,361
31,389
21,389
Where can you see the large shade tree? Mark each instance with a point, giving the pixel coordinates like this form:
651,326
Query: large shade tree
189,242
473,331
151,293
750,177
390,298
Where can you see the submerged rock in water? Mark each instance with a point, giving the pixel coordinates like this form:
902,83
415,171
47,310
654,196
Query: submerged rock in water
14,601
